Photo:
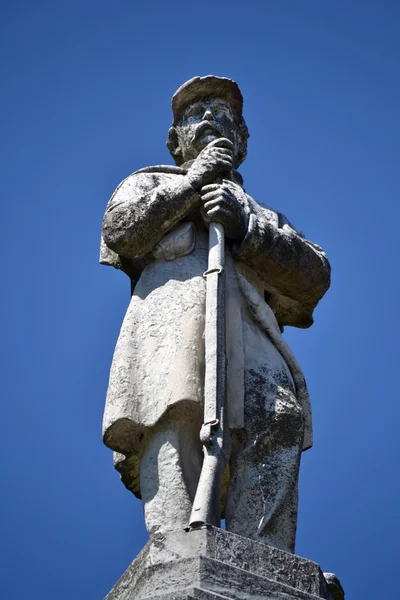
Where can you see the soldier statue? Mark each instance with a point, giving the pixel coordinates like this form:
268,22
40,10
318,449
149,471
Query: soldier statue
156,229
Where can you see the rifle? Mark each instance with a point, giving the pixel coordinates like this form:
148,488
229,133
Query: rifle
214,433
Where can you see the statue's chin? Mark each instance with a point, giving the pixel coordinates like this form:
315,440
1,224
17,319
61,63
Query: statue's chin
206,139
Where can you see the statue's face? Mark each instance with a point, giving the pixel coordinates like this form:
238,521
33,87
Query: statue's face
204,121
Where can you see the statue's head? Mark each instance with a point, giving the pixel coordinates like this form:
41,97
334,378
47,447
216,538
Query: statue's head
206,108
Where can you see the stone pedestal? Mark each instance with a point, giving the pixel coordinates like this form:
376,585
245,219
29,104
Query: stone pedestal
213,564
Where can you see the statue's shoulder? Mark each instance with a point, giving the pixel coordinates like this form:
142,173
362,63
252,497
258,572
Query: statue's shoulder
141,180
146,178
170,169
279,218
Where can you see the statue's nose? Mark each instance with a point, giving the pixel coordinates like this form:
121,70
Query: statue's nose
208,116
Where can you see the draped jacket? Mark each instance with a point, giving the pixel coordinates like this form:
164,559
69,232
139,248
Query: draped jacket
152,234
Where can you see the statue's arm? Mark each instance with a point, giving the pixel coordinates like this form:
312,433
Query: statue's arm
143,208
284,259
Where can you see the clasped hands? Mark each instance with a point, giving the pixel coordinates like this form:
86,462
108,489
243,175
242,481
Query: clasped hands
220,202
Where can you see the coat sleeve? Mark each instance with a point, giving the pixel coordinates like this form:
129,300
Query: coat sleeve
142,209
296,272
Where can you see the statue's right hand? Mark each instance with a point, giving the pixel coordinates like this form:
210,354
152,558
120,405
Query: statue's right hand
213,161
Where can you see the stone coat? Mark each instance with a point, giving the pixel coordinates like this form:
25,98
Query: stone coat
159,358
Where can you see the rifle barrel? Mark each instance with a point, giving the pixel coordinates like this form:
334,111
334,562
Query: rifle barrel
206,509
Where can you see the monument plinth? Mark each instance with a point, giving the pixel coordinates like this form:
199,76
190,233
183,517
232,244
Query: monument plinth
211,563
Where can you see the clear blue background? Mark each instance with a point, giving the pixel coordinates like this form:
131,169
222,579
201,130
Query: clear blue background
85,100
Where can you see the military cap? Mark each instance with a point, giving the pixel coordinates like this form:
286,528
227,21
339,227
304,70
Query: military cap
209,86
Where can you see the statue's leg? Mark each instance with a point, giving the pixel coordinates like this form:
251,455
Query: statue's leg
262,495
169,472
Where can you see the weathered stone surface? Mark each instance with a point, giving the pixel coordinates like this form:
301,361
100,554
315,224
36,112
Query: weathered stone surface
157,229
213,563
190,594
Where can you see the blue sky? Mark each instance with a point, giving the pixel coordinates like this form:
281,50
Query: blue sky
85,101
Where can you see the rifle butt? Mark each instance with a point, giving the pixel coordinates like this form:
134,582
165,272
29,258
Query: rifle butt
206,505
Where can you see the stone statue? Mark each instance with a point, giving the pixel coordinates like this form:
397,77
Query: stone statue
156,229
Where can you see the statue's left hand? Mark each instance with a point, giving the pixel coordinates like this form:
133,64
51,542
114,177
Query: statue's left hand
222,204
